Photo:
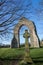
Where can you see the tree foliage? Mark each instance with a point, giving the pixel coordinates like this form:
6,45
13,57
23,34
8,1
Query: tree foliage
12,10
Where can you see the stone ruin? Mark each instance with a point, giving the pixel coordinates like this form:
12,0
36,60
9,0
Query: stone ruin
41,43
33,34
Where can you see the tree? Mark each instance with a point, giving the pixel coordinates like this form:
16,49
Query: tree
11,11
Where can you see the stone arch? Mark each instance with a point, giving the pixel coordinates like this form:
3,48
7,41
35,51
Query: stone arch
34,39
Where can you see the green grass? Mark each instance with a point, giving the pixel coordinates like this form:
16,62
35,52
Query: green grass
18,53
8,53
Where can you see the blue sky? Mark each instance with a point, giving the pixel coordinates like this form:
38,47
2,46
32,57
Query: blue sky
36,18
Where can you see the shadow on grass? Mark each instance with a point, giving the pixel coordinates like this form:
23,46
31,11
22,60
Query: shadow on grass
15,62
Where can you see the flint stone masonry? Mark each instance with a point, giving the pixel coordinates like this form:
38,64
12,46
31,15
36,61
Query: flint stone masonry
33,34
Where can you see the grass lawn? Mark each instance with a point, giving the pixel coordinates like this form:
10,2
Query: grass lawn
8,53
18,53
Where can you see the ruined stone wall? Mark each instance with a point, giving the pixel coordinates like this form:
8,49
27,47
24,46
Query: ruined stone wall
30,25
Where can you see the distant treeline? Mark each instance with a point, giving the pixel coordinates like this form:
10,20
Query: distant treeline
23,45
5,46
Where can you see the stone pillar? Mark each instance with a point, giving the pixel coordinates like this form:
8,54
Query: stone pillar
34,40
31,40
18,40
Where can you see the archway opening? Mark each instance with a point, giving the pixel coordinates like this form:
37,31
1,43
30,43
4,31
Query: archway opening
21,32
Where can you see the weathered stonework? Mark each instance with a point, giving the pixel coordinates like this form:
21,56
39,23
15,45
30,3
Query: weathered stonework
33,36
41,43
27,57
